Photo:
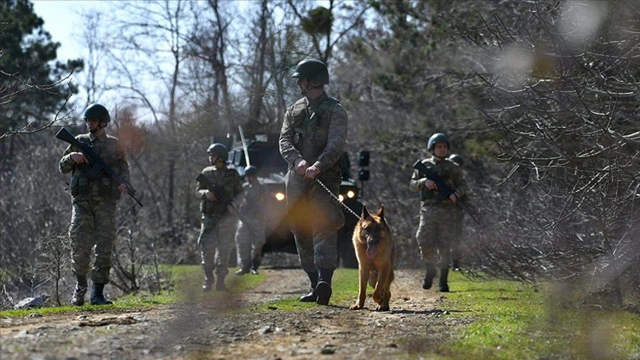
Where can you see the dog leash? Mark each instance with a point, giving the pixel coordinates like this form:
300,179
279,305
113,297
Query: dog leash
336,199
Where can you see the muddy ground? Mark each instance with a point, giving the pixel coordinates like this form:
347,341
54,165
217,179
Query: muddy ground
232,328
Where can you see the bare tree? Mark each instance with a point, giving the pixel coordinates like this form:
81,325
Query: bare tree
156,31
52,252
96,42
258,68
564,98
7,95
208,50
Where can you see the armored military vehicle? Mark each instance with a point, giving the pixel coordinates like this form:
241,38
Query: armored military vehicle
263,153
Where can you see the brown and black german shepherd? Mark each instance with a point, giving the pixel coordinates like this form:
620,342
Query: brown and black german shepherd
374,249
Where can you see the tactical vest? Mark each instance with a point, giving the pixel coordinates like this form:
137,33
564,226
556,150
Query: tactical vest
226,182
444,169
86,185
311,128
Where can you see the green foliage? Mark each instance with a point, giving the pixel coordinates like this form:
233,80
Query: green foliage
319,21
27,53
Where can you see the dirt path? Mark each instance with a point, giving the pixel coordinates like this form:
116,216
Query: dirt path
217,330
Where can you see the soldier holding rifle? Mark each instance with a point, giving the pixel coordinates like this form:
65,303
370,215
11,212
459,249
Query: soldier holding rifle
440,183
94,192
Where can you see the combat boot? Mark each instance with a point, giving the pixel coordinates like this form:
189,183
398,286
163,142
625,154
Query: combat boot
444,274
208,281
455,265
97,298
255,264
243,270
311,295
220,283
323,289
428,277
80,291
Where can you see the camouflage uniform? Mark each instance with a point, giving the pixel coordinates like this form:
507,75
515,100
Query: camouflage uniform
315,131
93,220
251,237
438,217
458,234
218,224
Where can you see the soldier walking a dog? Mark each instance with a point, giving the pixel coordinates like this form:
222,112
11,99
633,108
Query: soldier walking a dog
94,199
250,235
438,214
217,187
312,140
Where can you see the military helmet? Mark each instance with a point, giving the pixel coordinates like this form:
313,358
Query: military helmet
250,171
456,159
97,111
437,138
313,70
219,150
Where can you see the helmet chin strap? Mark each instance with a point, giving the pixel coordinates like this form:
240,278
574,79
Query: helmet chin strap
98,128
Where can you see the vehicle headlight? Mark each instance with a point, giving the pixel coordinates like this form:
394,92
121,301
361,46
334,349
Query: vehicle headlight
351,194
340,197
279,196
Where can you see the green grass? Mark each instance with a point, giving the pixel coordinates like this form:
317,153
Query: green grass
344,289
518,321
186,283
510,320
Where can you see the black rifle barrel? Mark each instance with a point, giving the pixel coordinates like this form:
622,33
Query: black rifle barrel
223,199
98,163
443,188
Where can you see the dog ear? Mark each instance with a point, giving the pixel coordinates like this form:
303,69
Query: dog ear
380,212
365,213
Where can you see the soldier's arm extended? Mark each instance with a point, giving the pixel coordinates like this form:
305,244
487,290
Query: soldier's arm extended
287,146
337,135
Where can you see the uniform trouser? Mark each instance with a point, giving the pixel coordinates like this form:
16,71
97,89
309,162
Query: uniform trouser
216,242
436,232
93,223
315,219
249,242
457,238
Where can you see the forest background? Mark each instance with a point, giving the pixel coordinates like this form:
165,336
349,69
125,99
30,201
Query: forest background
541,98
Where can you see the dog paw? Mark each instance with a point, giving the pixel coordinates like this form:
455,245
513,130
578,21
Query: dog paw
355,307
377,299
382,308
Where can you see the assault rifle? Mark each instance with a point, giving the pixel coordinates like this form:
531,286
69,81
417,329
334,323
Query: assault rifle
223,198
444,189
98,165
